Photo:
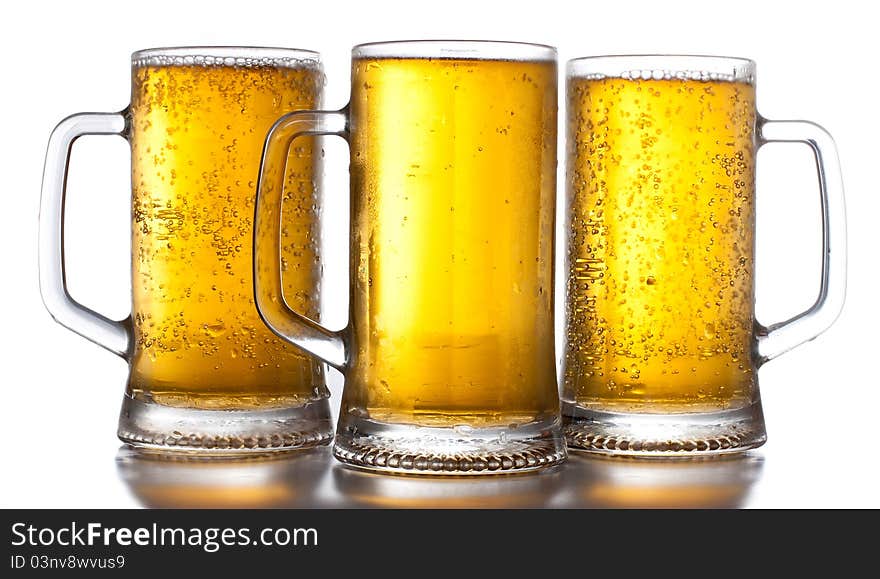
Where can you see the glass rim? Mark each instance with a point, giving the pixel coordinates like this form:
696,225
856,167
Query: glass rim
456,49
663,66
225,55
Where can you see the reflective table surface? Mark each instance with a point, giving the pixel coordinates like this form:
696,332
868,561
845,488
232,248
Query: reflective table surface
313,479
122,477
65,454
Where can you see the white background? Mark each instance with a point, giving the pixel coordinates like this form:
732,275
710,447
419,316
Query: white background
61,394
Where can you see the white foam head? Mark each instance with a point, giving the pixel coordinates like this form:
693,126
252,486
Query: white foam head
664,67
233,56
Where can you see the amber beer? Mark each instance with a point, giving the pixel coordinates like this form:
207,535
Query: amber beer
453,192
660,292
448,355
197,130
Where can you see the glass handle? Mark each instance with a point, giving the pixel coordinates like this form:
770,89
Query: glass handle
303,332
114,335
781,337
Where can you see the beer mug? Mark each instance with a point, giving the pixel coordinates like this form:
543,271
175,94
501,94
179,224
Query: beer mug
205,374
662,346
448,356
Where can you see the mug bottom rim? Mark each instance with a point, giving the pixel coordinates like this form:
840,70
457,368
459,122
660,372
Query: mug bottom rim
218,433
681,435
449,451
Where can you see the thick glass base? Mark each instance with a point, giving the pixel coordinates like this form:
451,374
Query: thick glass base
458,450
664,435
224,432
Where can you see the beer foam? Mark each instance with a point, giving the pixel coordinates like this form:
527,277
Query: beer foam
659,74
174,57
690,68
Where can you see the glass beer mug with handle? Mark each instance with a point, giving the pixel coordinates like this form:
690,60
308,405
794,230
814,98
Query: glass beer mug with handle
206,376
448,356
662,346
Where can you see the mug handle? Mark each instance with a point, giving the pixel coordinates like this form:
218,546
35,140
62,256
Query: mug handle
113,335
329,346
781,337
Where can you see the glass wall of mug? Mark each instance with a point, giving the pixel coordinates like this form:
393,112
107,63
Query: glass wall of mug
662,347
448,355
206,375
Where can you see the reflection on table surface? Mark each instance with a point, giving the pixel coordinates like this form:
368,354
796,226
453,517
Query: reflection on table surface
173,481
313,479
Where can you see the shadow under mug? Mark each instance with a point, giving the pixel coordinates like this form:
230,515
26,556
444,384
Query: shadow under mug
662,345
206,376
448,356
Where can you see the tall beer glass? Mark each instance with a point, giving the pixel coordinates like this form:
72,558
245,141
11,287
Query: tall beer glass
205,374
662,346
448,355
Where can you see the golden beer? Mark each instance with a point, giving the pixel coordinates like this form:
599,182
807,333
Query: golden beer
197,130
453,191
660,293
448,354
